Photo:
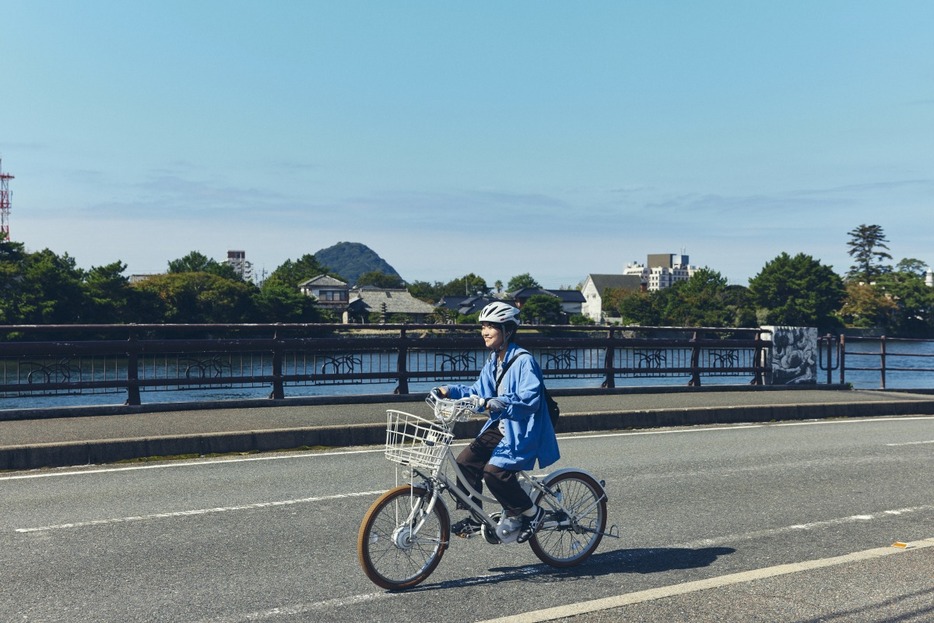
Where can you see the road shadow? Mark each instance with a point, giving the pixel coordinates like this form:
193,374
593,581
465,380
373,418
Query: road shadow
645,560
658,559
642,561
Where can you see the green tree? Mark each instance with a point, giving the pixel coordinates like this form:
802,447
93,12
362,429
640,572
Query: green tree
542,309
44,288
380,280
797,291
197,262
202,298
913,301
739,301
428,292
701,301
635,307
704,300
467,285
897,303
525,280
12,260
50,290
866,306
110,297
278,303
291,273
912,266
868,249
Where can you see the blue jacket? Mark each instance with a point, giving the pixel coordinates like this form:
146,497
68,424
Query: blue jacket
527,431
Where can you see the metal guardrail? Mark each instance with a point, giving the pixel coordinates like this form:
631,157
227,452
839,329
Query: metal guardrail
883,356
134,359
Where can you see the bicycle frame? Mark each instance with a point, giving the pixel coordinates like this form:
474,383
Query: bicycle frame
439,482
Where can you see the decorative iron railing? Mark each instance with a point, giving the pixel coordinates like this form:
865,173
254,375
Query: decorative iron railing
140,359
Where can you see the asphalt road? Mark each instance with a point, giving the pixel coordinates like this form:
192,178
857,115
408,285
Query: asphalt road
83,436
763,522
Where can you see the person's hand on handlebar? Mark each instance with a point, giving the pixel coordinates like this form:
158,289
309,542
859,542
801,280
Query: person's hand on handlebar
439,392
495,405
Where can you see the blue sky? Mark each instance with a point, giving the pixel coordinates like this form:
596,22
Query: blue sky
500,138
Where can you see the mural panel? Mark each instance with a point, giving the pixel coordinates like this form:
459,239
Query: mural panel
794,355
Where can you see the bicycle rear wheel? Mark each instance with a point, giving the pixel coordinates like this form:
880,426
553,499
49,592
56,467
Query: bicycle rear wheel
571,534
392,553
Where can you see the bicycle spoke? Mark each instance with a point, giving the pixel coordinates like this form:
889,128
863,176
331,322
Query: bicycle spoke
576,528
399,544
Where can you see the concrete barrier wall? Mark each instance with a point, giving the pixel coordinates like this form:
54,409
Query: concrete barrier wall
116,450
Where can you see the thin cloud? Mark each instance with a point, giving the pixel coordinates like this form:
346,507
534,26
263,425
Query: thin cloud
880,186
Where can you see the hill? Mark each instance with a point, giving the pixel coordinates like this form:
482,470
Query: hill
352,259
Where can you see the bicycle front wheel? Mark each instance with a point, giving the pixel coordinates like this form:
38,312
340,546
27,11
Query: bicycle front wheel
401,541
572,530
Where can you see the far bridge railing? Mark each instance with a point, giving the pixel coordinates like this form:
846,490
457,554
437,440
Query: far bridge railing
286,360
877,361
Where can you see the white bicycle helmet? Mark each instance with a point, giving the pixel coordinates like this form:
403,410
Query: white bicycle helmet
499,313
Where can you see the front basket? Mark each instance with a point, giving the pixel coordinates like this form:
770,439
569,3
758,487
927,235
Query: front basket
414,441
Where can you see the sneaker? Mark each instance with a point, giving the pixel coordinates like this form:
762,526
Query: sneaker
530,525
466,527
508,525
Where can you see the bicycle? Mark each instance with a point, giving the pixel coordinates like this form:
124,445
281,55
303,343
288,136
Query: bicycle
406,531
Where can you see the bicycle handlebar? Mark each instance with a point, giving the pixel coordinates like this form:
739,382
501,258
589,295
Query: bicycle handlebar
449,411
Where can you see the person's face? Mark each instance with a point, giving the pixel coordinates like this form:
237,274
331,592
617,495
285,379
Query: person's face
492,335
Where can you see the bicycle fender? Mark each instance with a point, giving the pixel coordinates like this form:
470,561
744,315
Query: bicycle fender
577,470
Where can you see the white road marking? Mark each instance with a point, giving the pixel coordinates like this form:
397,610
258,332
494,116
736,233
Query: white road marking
909,443
187,464
195,512
708,429
571,610
300,609
814,525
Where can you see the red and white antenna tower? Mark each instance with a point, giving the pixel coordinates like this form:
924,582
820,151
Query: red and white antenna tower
5,202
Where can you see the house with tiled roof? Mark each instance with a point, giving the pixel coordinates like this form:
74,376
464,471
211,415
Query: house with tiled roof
466,305
594,289
330,293
369,304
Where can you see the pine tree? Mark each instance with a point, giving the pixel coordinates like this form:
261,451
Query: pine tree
868,248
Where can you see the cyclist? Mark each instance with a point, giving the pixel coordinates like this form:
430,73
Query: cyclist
519,430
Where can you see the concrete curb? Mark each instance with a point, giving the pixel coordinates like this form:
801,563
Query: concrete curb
110,451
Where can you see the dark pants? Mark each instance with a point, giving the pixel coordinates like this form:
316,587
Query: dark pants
503,483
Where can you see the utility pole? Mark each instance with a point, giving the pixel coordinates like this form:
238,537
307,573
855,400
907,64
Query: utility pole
5,202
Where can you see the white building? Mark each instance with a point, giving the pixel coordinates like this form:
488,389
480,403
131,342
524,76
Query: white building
241,266
595,286
662,270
